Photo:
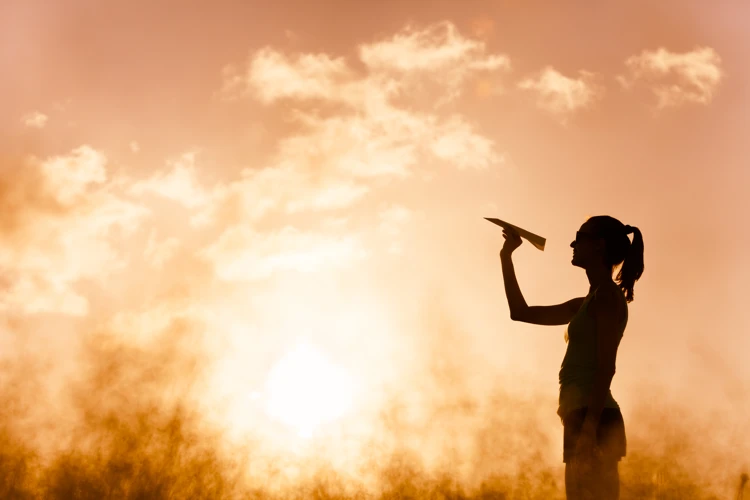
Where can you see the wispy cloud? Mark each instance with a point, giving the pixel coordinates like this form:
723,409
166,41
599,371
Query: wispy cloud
285,189
35,120
377,135
560,94
178,183
355,133
243,254
64,212
456,142
438,49
271,75
59,214
159,252
393,218
676,78
69,177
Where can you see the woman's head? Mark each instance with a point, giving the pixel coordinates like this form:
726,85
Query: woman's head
603,240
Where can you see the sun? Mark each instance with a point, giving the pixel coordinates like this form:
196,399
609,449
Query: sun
306,390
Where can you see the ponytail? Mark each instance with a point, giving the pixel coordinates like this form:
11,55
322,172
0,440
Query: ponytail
632,266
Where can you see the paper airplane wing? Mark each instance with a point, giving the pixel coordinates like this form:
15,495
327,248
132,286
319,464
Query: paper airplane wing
534,239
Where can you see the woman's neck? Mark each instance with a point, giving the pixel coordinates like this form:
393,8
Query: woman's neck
598,276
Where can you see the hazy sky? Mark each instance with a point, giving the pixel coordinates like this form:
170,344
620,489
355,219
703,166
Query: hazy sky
297,173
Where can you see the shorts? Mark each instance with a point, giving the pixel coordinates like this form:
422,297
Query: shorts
610,435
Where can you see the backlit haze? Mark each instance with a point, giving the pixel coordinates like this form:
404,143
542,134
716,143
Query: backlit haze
242,245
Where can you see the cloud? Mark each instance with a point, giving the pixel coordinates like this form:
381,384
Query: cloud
178,183
285,188
392,218
373,136
35,120
438,53
243,254
69,177
353,135
382,144
438,48
456,142
58,224
309,76
158,253
134,147
562,95
676,78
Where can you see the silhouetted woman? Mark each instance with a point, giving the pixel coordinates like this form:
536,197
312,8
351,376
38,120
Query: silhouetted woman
593,428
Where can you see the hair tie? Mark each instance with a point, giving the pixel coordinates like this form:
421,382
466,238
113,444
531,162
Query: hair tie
628,229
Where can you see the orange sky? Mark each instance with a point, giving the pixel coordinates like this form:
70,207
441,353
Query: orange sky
281,171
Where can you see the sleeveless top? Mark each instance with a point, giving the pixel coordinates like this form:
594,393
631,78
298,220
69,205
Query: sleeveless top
579,364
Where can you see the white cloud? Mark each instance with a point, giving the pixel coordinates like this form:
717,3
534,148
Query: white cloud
242,254
676,78
392,219
179,183
438,51
438,54
455,141
35,120
69,176
560,94
335,223
285,188
329,196
355,133
36,294
145,325
64,217
380,145
375,136
271,75
158,253
439,48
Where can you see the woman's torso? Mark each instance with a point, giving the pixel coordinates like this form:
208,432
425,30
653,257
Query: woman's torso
579,365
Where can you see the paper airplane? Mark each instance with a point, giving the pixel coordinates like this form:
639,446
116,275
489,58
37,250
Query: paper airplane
534,239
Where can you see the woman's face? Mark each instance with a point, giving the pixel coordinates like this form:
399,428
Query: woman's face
585,246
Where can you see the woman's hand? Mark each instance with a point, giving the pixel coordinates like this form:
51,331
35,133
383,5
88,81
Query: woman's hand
512,241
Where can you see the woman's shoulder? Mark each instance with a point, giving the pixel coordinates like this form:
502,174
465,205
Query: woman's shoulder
611,289
611,293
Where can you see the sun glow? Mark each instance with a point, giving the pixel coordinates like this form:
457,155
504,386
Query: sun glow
306,390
